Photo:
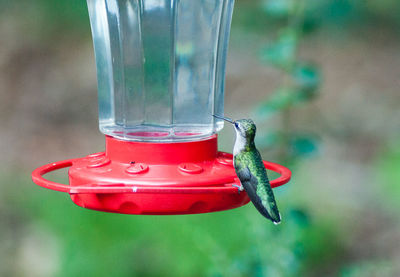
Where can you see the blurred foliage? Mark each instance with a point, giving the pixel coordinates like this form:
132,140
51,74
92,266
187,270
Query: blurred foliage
49,20
230,243
263,16
300,81
388,165
369,269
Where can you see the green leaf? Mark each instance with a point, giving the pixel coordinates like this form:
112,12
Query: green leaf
299,217
304,145
369,268
282,52
307,80
278,8
279,100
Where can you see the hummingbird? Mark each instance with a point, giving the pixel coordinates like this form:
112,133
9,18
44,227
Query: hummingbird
250,169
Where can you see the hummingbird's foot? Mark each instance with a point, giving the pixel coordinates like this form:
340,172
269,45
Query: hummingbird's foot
240,188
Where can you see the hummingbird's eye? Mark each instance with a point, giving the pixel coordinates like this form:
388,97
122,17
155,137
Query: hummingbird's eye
236,124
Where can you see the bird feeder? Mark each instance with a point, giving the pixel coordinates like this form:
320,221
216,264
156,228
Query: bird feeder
160,71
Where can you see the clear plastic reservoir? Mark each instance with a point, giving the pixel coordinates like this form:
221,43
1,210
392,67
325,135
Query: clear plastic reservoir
160,67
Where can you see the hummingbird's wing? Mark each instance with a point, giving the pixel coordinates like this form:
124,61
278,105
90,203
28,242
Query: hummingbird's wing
249,183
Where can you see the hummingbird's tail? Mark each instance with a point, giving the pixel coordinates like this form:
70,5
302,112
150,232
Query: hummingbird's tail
271,212
277,221
264,201
272,208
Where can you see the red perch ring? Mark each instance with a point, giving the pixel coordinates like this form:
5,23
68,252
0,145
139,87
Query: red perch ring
154,178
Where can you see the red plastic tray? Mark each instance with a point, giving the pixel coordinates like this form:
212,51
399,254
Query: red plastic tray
154,178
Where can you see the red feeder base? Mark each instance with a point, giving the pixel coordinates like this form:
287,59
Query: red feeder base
154,178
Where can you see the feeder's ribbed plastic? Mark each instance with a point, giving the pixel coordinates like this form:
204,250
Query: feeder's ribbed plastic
160,67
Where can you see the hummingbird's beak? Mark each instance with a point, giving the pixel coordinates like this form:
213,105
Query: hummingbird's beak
224,118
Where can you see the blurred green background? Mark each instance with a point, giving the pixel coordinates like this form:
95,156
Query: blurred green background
321,78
